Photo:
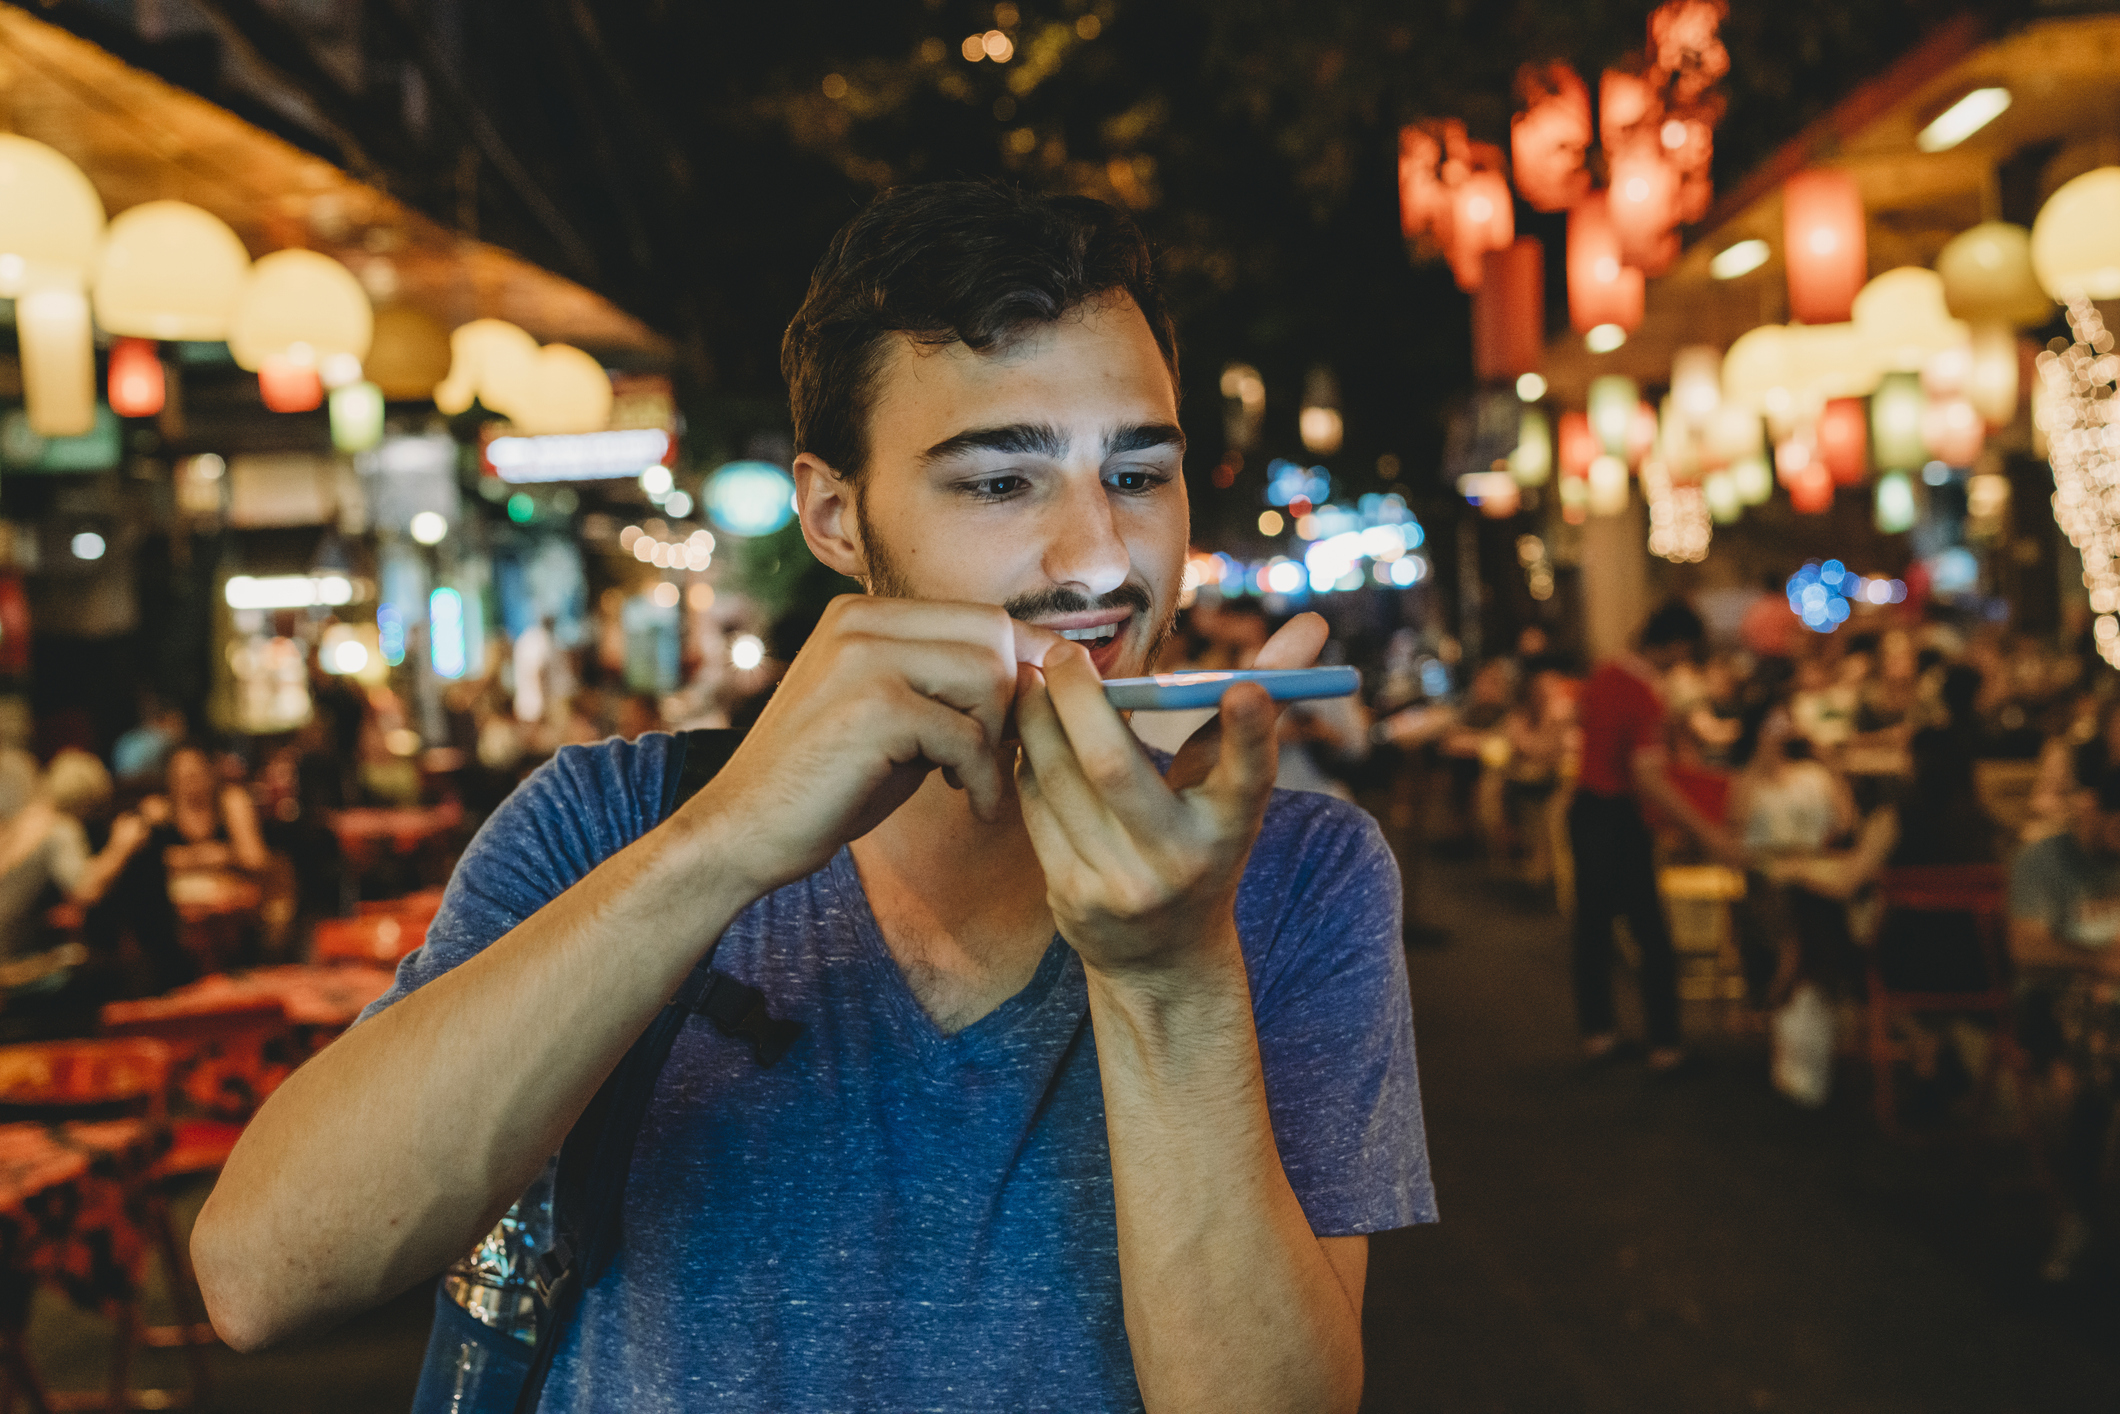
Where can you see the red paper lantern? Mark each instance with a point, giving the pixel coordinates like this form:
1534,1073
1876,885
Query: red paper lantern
288,387
1509,312
1823,245
1424,203
1644,204
1481,219
1578,445
1811,489
1602,287
1626,103
136,386
1549,141
1844,440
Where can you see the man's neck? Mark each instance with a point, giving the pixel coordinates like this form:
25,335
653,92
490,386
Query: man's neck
960,901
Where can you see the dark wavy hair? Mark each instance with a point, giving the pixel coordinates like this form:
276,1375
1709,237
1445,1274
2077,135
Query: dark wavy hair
975,263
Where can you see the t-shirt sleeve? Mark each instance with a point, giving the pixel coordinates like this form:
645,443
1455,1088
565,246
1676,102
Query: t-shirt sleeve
1335,1023
572,813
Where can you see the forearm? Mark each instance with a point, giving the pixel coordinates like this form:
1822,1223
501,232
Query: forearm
388,1155
1655,787
1230,1301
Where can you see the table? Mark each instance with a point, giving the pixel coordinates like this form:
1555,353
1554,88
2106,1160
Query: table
365,828
70,1209
319,999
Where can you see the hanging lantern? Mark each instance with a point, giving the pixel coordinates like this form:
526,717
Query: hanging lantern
170,271
1532,461
1424,202
409,354
1608,486
1725,503
1903,316
1991,376
2076,239
1509,312
1756,366
1895,422
1612,403
136,380
1753,478
287,386
299,307
1823,245
1895,510
58,359
1575,499
1696,383
1678,444
1953,430
356,417
1987,276
1644,205
570,392
1832,360
1627,104
1578,445
1689,146
1733,433
1795,455
1811,490
1549,142
1602,288
1482,219
1319,421
1843,441
51,219
490,361
1641,432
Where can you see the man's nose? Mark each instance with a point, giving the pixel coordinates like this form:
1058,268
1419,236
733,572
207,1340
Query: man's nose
1083,547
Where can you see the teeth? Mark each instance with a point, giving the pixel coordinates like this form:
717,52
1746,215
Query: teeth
1090,635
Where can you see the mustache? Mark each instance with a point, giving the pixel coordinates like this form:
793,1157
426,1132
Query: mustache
1030,607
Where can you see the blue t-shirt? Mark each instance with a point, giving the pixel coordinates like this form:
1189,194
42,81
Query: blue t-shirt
895,1218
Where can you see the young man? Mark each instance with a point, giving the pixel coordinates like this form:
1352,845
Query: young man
2065,942
1103,1076
1621,711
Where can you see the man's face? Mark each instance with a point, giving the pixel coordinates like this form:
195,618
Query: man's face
1044,478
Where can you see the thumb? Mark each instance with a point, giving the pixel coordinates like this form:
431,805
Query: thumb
1249,757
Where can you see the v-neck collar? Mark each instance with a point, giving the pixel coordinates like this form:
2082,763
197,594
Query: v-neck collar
936,1048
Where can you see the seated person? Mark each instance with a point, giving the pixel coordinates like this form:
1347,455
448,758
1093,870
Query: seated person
204,824
2064,920
44,849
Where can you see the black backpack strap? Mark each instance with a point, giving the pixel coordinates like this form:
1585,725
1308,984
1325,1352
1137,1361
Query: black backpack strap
590,1186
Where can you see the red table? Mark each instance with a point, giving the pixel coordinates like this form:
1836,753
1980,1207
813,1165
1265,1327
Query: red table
319,999
69,1215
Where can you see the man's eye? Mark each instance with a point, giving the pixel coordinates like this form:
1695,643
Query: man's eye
1136,480
994,487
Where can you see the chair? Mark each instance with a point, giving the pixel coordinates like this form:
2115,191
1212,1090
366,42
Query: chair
126,1078
1970,890
224,1064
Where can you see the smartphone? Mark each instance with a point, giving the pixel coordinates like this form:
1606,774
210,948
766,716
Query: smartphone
1171,692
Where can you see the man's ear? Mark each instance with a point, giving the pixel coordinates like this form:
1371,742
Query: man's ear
825,505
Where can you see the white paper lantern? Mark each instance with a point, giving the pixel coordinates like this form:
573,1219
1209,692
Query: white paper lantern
490,361
170,271
1756,365
51,220
300,307
1987,276
58,359
1903,314
2076,240
1696,383
570,392
1991,379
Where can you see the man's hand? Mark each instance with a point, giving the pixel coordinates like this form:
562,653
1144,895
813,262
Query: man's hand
1141,876
885,692
1295,645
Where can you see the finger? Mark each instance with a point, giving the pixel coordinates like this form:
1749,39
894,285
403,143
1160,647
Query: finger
1244,772
1032,643
1296,644
1067,794
1105,749
1057,856
969,677
919,730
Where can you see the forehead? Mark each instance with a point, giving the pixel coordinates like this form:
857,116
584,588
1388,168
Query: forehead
1094,367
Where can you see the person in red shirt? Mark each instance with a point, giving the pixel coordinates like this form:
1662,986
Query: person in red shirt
1623,769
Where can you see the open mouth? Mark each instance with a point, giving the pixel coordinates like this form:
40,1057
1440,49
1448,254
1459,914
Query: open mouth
1105,642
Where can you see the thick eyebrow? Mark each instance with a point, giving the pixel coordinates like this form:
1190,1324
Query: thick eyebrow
1045,440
